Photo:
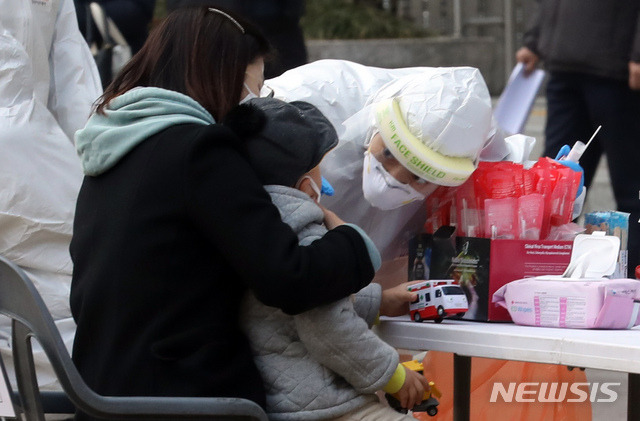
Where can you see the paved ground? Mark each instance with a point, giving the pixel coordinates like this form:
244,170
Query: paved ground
600,197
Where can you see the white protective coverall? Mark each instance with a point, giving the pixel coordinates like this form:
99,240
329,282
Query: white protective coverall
48,83
343,91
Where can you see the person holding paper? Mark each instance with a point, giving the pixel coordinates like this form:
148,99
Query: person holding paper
592,52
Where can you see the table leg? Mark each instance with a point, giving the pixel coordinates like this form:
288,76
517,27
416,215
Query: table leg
461,387
633,403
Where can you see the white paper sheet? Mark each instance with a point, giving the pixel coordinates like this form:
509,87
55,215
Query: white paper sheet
514,105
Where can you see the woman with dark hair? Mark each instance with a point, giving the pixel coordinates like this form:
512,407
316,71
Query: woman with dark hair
172,225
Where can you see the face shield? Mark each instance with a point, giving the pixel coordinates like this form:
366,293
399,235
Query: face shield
413,153
434,125
448,109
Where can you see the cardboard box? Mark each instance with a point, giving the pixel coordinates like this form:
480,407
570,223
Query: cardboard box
482,266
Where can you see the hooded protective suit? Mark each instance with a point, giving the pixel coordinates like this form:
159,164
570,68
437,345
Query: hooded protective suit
48,82
438,105
449,100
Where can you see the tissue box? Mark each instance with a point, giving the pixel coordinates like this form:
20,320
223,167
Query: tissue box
481,265
586,304
582,297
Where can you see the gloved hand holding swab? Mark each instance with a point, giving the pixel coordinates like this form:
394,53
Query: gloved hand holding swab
578,149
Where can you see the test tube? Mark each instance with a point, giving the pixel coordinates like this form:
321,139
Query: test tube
579,148
576,152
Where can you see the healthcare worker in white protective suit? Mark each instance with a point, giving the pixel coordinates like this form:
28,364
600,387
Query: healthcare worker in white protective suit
48,83
403,133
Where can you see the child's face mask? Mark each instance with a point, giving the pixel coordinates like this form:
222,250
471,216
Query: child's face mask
313,185
381,189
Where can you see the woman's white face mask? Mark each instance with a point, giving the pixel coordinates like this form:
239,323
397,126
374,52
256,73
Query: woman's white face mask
249,96
381,189
253,78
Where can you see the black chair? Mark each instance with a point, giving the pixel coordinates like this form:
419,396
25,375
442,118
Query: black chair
20,301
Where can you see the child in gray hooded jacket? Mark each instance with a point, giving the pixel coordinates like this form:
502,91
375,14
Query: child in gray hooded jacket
325,363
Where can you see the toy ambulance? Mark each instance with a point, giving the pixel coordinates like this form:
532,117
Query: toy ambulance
437,299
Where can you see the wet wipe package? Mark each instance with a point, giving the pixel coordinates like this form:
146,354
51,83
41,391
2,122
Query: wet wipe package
582,297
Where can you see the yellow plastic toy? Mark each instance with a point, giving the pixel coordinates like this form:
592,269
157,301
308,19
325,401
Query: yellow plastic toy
429,402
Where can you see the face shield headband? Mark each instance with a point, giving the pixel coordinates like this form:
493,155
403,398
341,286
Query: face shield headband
418,158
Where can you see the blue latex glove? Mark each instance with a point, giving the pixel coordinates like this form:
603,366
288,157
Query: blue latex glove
564,151
326,189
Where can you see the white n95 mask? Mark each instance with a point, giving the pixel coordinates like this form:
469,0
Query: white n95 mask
381,189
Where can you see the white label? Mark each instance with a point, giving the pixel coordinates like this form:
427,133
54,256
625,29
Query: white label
46,4
562,311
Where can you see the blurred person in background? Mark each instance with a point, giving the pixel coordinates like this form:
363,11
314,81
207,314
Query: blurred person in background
591,49
132,17
279,21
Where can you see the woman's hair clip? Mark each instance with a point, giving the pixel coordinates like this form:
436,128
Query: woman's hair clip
226,15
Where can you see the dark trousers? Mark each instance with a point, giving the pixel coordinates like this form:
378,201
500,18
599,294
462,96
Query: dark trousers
576,105
132,17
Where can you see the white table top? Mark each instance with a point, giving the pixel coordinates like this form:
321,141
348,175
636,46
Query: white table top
617,350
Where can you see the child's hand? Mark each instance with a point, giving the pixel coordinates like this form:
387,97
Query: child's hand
395,301
412,391
331,220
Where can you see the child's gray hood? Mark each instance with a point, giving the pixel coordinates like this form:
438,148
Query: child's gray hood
128,120
298,211
306,218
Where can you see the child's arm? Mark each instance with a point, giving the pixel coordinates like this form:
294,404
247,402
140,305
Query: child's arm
407,386
339,339
366,303
331,220
395,301
372,301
